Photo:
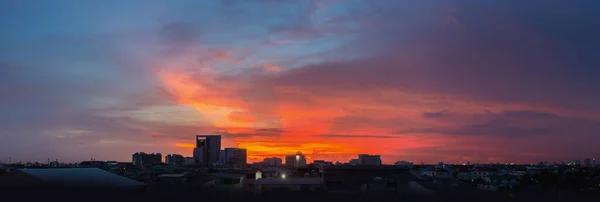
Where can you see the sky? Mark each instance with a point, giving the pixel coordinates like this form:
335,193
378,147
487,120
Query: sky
421,81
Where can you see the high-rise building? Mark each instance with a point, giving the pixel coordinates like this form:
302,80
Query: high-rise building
144,159
234,157
294,161
174,159
272,161
207,149
366,159
589,162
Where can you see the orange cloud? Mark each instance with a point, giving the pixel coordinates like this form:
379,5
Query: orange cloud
185,145
221,55
272,68
244,117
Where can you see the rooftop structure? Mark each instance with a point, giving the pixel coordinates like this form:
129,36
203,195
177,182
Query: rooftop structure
67,177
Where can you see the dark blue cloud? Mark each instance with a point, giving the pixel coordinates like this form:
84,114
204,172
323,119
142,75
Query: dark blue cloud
516,124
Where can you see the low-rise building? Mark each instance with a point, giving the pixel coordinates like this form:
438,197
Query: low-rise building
367,159
502,180
272,161
174,159
144,159
228,182
404,164
481,172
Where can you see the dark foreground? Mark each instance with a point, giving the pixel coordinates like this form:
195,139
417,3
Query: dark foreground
143,195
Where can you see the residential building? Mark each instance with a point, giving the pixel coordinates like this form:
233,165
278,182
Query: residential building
441,165
357,177
234,157
226,181
90,164
188,160
272,161
589,162
429,172
518,172
207,150
294,161
404,164
145,159
366,159
174,159
482,172
321,163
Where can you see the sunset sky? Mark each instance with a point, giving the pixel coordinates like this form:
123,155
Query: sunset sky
422,81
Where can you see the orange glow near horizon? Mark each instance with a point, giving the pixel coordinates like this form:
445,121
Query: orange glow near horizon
305,122
325,125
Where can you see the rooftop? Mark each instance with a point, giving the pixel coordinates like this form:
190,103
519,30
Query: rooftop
290,181
173,175
72,177
227,175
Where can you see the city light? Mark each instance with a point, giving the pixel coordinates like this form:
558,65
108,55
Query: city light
282,176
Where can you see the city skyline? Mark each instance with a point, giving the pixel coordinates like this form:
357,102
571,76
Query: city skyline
450,81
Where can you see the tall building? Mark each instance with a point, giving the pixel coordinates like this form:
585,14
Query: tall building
587,162
174,159
272,161
144,159
234,157
207,149
294,161
366,159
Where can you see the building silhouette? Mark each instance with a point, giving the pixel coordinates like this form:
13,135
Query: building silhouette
207,151
234,157
294,161
174,159
272,161
366,159
145,159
